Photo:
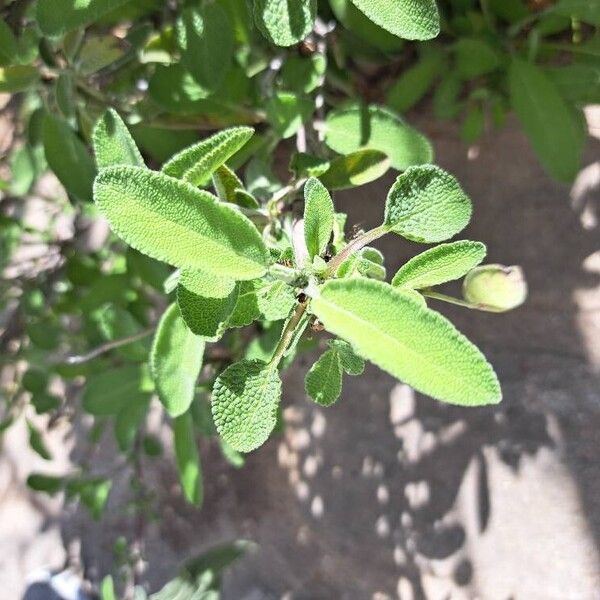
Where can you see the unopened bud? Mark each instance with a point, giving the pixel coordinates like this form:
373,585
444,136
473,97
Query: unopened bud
495,287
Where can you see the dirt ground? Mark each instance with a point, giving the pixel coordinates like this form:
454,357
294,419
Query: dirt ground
390,494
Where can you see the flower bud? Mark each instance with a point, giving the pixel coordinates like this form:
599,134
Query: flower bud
495,287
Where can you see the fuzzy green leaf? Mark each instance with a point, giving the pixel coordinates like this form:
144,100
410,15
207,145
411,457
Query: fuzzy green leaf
244,404
355,127
198,162
555,132
357,168
56,17
303,73
443,263
409,19
287,111
68,158
205,36
113,144
426,204
495,287
474,58
172,221
188,459
175,362
206,302
108,392
350,361
415,344
226,182
271,301
318,217
285,23
323,383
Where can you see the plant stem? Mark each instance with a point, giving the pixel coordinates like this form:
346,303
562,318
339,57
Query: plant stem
458,301
288,333
356,244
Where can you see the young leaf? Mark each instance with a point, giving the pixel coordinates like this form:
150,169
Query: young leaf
271,301
323,383
108,392
287,111
206,302
113,144
443,263
59,16
285,23
415,344
426,204
409,19
175,362
350,129
302,74
68,158
555,132
357,168
198,162
188,459
495,287
205,36
226,183
244,403
172,221
318,217
350,361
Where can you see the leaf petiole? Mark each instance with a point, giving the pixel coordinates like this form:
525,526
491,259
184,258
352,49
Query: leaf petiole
288,335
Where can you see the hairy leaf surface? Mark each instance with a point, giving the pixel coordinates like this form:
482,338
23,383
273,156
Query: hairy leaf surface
443,263
244,404
415,344
113,144
171,221
409,19
318,217
355,127
271,301
198,162
357,168
426,204
175,362
323,383
285,23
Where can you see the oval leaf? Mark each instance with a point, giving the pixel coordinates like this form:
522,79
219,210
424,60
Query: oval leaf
198,162
244,403
413,343
285,23
174,222
409,19
555,132
113,144
188,459
175,362
107,393
323,383
443,263
318,217
426,204
357,168
355,127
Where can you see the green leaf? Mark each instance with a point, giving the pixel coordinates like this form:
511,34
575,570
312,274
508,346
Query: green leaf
323,383
36,442
271,301
287,111
108,392
579,83
226,183
59,16
367,262
188,459
129,419
205,36
172,221
350,361
474,58
495,287
107,589
244,404
426,204
409,19
206,302
113,144
68,158
98,53
443,263
358,168
318,217
8,45
555,132
175,362
308,165
285,23
585,10
415,344
198,162
355,127
414,82
303,74
45,483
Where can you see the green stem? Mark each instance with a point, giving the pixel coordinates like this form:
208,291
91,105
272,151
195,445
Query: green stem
356,244
288,333
458,301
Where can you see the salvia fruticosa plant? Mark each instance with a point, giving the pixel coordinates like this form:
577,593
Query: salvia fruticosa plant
213,135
